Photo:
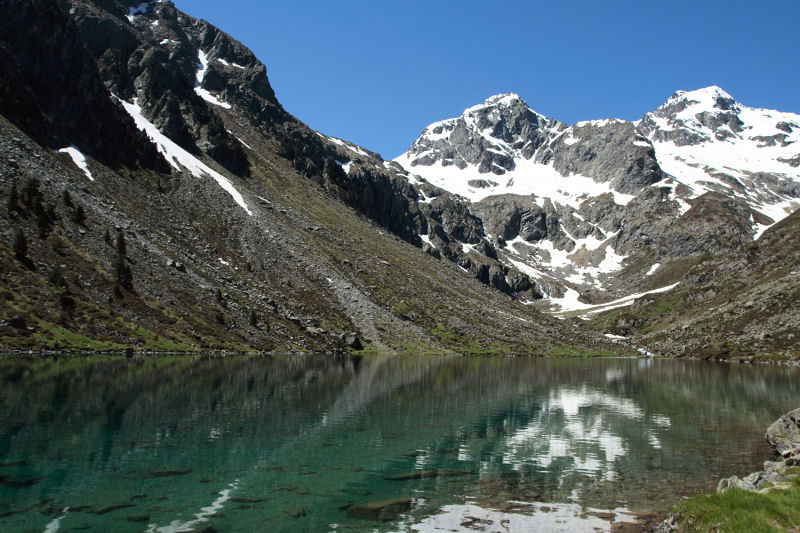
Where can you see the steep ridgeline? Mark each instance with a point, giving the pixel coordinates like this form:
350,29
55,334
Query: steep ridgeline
179,71
161,197
607,208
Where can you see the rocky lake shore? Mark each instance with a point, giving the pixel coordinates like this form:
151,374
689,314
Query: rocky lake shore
783,436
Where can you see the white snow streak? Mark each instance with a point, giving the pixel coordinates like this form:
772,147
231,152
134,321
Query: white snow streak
78,158
179,158
141,8
570,301
202,68
55,524
427,240
349,146
227,64
176,526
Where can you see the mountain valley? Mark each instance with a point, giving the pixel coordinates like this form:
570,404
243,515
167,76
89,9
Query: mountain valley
158,196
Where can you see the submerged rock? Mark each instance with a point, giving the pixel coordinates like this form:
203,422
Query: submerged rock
381,510
296,512
423,474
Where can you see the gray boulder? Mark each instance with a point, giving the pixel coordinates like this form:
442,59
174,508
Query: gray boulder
734,482
783,435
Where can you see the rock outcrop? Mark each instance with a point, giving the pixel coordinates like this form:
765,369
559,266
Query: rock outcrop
784,434
702,173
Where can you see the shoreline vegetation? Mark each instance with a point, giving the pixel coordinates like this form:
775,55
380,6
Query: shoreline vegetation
139,352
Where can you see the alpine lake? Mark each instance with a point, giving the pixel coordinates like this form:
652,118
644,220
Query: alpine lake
373,443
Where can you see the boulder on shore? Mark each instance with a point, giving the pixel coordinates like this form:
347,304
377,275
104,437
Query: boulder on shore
783,435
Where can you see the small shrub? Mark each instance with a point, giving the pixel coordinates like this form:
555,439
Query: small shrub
123,273
122,248
67,303
122,270
78,215
30,191
20,245
13,199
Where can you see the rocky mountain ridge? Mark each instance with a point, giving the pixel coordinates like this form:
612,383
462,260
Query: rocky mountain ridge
591,211
219,221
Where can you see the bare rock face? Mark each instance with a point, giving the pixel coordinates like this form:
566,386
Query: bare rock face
783,435
51,88
609,151
489,137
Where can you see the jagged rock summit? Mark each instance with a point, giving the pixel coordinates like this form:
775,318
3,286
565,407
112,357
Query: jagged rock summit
708,141
593,210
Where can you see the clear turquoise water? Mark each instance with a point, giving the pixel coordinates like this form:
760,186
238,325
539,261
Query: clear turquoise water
290,443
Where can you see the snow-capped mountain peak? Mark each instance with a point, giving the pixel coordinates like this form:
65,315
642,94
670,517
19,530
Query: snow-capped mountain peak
712,96
501,100
710,142
573,205
468,154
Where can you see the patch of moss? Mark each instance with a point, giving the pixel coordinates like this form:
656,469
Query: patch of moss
55,337
736,510
445,334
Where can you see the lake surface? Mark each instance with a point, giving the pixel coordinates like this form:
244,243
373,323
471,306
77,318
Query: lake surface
301,443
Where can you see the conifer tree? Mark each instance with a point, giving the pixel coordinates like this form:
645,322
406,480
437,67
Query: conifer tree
13,199
20,245
122,270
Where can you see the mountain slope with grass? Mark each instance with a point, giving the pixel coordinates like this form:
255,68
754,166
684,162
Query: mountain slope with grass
194,212
736,305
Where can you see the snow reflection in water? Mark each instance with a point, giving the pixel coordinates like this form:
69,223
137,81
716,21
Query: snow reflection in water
575,428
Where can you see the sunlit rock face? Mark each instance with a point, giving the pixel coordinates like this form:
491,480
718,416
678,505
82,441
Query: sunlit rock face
576,206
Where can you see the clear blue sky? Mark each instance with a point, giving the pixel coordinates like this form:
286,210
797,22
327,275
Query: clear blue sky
377,72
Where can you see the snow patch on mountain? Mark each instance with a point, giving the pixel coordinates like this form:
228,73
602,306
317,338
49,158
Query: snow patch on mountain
202,68
233,65
179,158
79,159
144,7
528,178
350,146
569,302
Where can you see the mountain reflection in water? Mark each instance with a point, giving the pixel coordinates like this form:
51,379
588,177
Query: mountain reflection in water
303,442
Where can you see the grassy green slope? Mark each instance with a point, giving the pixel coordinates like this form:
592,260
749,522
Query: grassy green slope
739,305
